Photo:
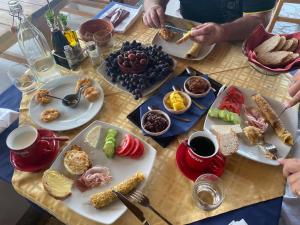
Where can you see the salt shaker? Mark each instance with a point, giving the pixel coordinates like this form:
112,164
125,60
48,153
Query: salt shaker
93,53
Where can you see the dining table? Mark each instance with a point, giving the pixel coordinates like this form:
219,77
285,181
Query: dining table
246,182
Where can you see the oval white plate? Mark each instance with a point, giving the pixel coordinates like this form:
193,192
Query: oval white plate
180,50
121,168
289,119
70,117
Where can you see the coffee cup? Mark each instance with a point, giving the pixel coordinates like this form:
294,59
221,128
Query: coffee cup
202,152
25,141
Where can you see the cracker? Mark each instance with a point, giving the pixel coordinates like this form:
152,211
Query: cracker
268,45
295,45
273,58
281,43
288,44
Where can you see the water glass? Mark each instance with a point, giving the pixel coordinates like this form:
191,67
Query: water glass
22,77
208,192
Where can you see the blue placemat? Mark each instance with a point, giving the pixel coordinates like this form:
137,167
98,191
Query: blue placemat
194,113
263,213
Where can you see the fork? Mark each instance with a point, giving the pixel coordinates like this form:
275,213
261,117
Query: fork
139,197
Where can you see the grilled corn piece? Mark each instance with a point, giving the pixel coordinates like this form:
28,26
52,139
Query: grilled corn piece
104,198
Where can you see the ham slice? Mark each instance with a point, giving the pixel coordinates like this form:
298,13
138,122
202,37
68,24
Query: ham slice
93,177
254,118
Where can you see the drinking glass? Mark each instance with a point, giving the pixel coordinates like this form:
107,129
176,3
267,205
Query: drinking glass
208,192
22,77
104,41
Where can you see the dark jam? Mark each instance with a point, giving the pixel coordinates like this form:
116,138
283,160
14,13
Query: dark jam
203,146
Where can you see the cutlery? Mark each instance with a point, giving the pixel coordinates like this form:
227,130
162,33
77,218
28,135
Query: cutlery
183,119
176,88
135,210
143,200
175,29
61,138
269,149
282,111
72,100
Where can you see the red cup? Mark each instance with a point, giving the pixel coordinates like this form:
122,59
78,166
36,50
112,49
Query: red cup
26,143
213,162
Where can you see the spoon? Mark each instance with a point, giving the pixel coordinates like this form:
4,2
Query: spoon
173,116
72,100
61,138
177,88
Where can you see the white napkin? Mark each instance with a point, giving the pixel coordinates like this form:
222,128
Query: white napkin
241,222
7,117
126,23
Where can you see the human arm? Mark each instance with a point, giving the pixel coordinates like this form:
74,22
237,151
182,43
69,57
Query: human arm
294,90
154,15
291,170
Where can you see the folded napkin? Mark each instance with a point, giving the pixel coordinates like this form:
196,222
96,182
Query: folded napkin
134,13
7,117
194,113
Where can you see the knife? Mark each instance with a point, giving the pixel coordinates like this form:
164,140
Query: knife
135,210
175,29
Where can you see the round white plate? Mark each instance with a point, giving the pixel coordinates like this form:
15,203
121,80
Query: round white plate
289,119
70,117
180,51
121,169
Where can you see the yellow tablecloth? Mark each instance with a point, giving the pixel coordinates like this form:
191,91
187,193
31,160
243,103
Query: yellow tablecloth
246,182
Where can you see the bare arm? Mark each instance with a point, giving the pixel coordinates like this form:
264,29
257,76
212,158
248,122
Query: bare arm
154,15
242,27
233,31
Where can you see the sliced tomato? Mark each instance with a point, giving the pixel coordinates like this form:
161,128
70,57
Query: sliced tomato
230,106
126,146
140,151
136,149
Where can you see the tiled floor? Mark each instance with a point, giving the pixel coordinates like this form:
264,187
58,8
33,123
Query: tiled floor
13,206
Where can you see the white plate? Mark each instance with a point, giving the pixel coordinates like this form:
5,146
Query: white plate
70,117
180,50
121,168
289,119
101,70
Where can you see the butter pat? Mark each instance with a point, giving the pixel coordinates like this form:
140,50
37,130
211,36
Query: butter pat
93,137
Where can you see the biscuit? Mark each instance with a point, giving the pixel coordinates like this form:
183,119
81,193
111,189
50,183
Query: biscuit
166,34
49,115
268,45
91,94
41,97
294,45
273,58
281,43
288,44
87,82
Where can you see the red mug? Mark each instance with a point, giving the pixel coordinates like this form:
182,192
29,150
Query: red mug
25,142
214,162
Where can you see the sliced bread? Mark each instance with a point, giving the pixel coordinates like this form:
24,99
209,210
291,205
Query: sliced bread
268,45
228,142
281,43
57,184
223,129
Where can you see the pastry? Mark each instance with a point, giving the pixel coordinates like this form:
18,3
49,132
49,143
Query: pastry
194,51
184,38
272,118
57,184
253,134
104,198
41,97
86,82
268,45
166,34
76,161
91,94
49,115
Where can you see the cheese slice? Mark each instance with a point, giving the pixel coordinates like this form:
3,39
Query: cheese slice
93,137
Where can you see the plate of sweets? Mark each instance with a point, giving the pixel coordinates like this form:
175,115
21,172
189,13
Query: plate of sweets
137,69
98,160
49,112
272,53
248,123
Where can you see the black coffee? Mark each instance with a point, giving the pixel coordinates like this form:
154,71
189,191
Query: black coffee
202,146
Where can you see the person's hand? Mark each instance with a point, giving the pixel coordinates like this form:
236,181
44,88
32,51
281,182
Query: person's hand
294,90
154,17
208,33
291,170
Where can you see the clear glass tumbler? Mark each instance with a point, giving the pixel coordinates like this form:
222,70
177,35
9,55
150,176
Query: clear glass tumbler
22,77
208,192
